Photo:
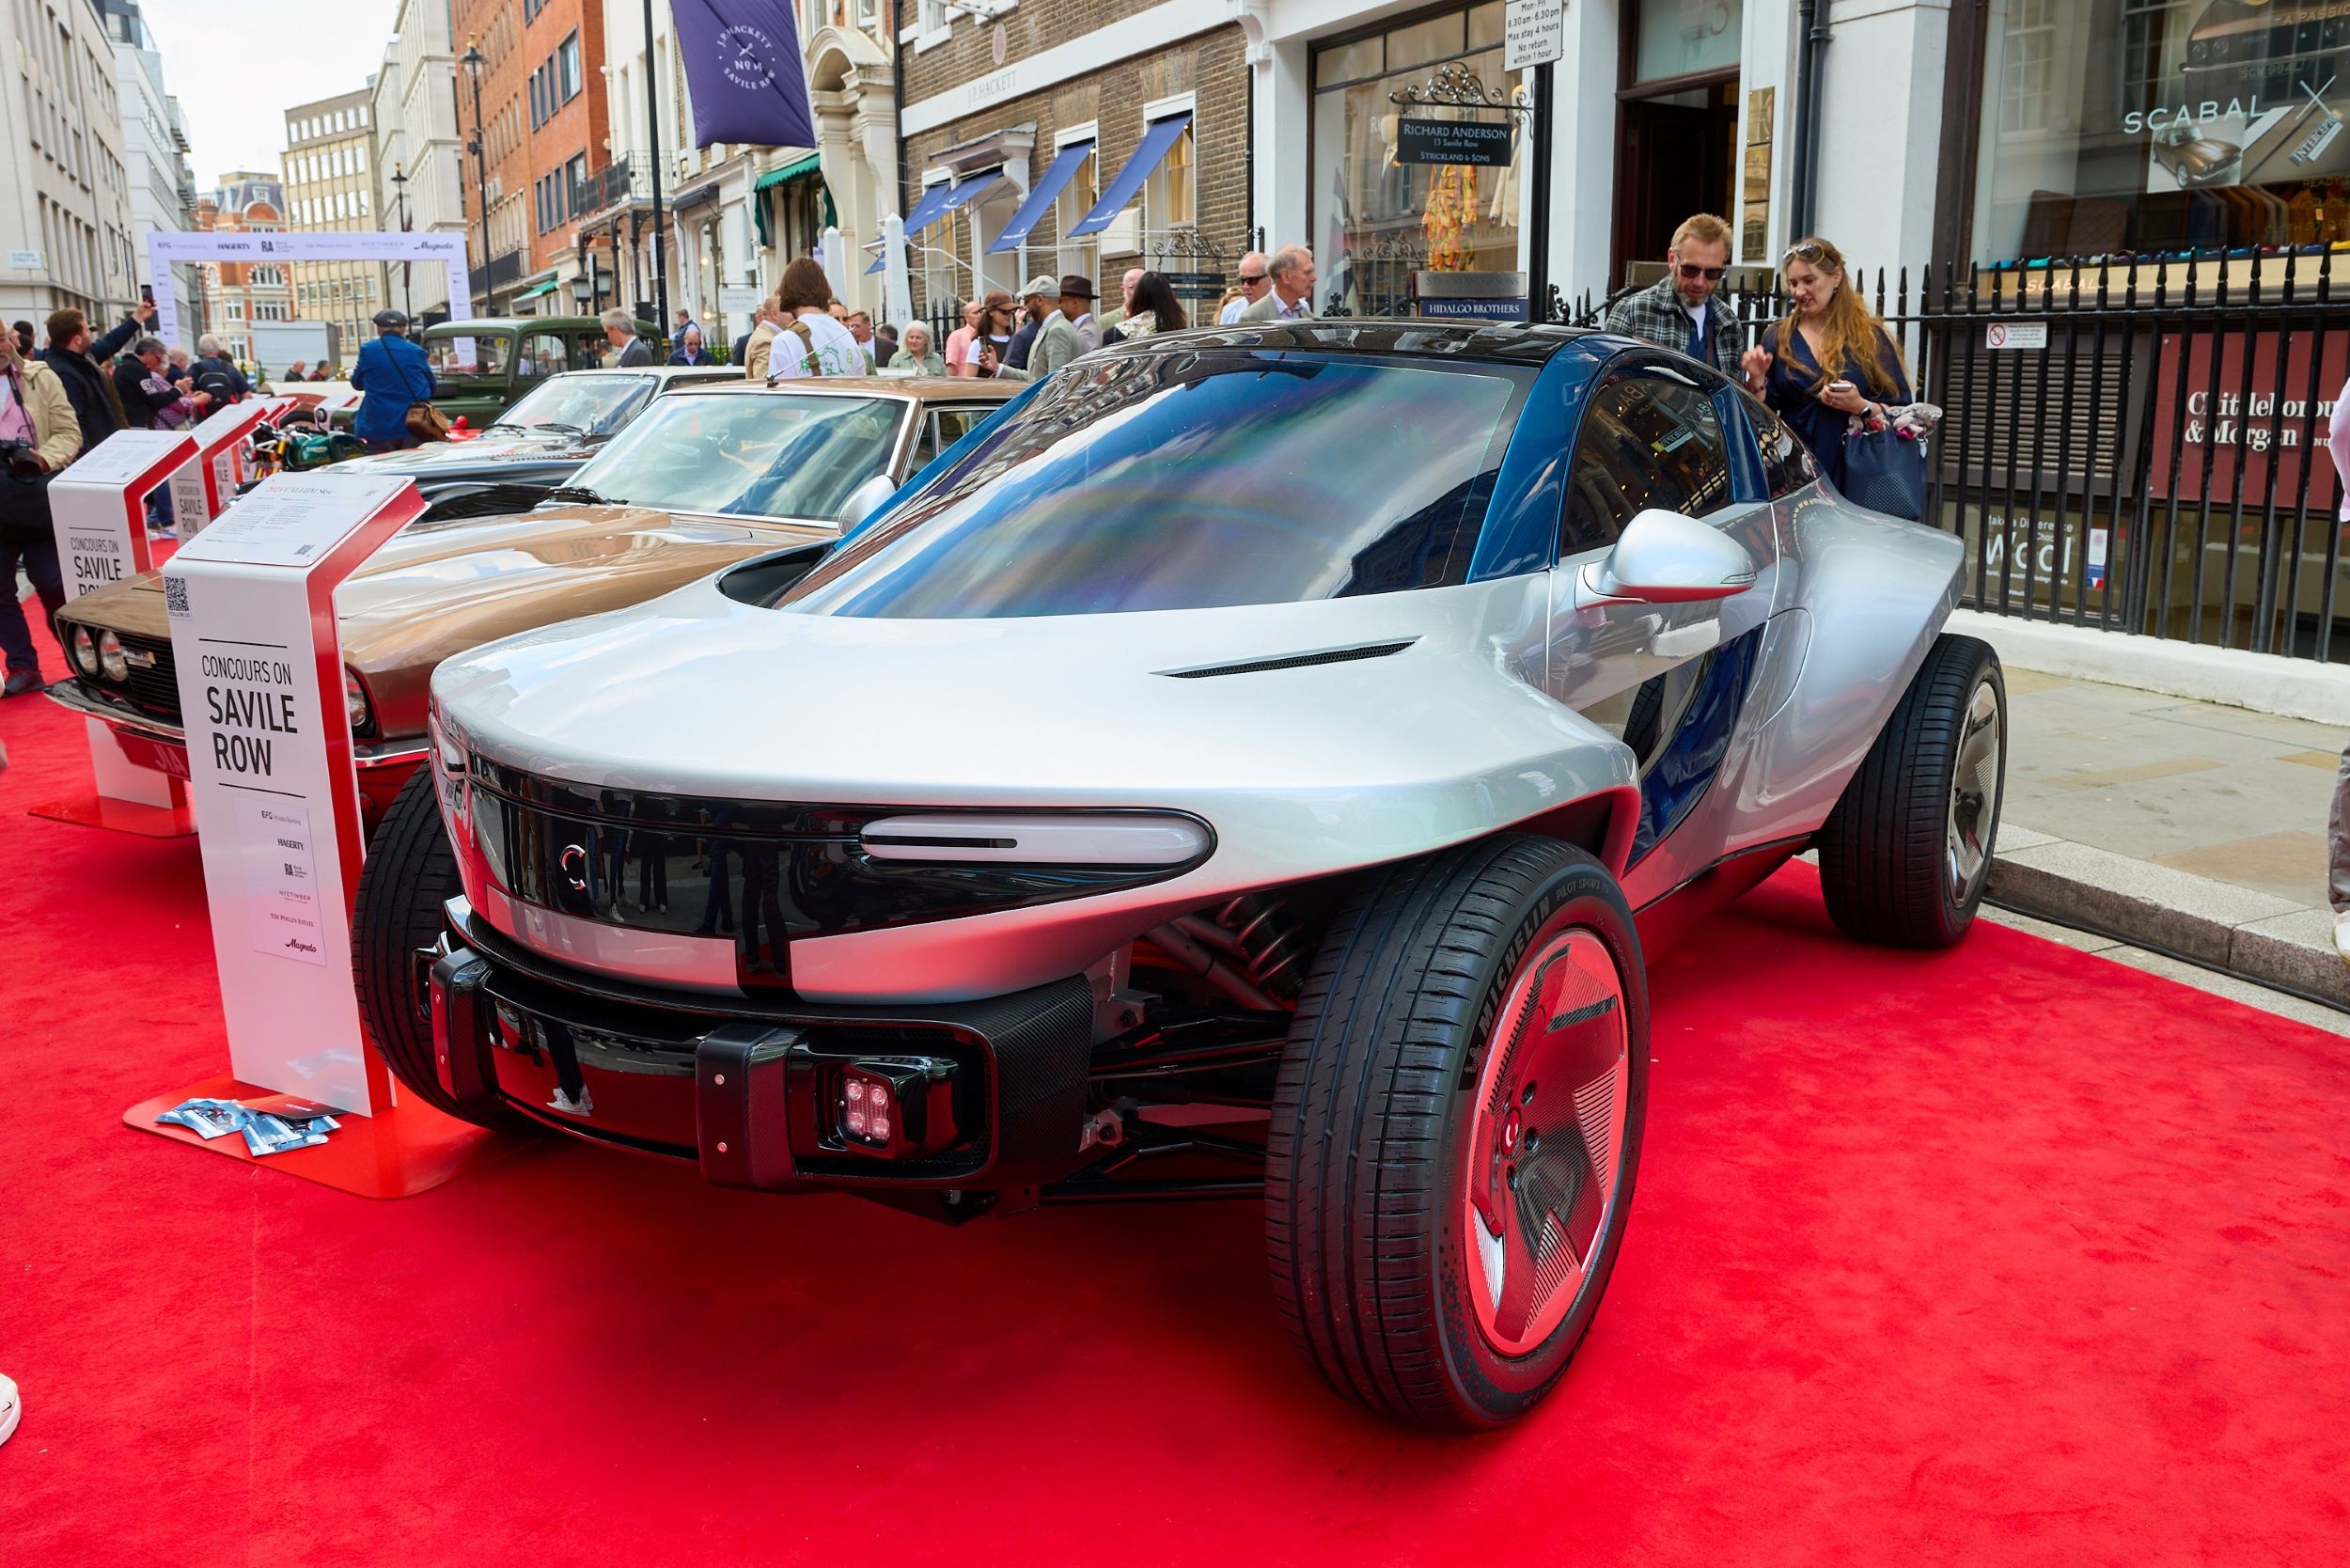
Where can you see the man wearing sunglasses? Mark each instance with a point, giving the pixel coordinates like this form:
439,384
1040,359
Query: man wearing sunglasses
1682,311
1253,280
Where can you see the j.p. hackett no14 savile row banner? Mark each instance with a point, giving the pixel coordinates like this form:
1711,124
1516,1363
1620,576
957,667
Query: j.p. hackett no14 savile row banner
742,60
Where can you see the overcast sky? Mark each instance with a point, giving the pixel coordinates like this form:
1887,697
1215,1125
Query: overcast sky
236,66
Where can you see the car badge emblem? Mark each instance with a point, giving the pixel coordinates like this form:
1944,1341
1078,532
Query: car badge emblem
574,864
136,656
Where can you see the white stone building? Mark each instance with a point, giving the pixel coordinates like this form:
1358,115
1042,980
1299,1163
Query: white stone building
65,195
155,152
418,172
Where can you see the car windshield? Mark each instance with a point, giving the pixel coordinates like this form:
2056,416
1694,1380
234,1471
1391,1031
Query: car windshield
760,455
1187,481
597,405
477,354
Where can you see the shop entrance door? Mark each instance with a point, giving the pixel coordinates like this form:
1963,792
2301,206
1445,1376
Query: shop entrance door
1677,154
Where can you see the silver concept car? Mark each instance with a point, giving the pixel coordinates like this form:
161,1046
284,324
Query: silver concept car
1253,761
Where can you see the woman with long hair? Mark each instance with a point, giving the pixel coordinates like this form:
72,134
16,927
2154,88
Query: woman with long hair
1828,359
38,437
1155,308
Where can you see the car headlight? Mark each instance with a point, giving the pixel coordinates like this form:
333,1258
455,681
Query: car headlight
84,651
110,657
356,706
449,768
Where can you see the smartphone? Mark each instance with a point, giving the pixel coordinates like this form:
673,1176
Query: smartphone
146,293
1840,386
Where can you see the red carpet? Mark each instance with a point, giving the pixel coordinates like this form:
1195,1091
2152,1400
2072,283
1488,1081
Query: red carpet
2006,1256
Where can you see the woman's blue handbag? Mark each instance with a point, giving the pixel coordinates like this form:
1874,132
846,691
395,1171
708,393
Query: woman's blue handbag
1886,471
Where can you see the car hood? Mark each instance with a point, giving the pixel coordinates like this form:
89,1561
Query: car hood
699,694
438,588
510,446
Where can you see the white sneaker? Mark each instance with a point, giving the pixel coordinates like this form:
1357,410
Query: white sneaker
10,1407
2341,935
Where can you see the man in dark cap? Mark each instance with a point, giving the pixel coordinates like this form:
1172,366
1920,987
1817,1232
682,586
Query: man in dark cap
1076,305
393,374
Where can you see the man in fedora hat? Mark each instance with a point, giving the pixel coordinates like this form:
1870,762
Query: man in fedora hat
1076,303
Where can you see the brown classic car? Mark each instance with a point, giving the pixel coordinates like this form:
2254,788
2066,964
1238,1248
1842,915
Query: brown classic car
704,478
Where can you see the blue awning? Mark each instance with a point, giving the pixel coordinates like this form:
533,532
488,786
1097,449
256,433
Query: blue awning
1064,169
937,201
1156,139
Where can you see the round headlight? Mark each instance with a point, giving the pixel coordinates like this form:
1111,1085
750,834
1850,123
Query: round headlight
84,651
355,702
110,657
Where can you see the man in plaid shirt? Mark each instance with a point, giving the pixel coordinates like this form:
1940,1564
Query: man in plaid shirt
1682,312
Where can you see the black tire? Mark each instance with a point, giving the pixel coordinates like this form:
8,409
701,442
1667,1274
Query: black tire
1369,1155
410,871
1899,855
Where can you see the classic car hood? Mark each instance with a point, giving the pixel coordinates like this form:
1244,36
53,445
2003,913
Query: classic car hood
509,445
697,694
438,588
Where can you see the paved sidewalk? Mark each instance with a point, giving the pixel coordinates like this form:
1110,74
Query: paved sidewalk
2177,825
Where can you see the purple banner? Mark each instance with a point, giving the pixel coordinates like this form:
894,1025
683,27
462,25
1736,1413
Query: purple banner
742,60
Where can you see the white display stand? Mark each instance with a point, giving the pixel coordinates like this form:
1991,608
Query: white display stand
97,507
253,630
221,453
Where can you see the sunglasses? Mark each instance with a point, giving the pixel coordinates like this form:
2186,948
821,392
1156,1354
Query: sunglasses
1248,279
1810,250
1690,269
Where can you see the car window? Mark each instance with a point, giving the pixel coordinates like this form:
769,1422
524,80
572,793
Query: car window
1186,481
1650,439
1787,463
941,429
543,354
748,456
481,355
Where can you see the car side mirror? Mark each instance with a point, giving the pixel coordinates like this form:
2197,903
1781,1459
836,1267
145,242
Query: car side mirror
867,499
1663,557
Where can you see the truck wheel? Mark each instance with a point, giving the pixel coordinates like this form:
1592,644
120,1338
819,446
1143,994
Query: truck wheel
1905,854
409,873
1455,1130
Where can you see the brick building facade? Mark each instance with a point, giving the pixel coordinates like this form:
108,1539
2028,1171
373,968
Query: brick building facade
1008,97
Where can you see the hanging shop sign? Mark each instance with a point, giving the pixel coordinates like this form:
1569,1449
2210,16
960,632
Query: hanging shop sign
2246,431
1482,145
254,633
1470,296
1196,286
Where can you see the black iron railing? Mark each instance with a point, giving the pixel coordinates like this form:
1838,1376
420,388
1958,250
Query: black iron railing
628,178
504,270
2135,446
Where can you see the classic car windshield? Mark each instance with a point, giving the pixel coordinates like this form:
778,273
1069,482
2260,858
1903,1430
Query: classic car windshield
1187,481
593,405
774,455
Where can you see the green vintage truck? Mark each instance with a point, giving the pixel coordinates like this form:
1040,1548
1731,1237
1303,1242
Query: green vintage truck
483,365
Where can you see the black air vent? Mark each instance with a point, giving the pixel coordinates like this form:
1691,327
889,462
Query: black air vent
1296,661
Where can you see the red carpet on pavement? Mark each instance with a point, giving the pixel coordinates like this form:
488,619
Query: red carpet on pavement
2009,1255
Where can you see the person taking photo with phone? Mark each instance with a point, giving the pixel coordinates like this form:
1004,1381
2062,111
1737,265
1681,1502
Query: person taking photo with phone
1828,359
1684,311
38,437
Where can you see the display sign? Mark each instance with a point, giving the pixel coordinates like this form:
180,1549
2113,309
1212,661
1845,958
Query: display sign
1443,309
1472,296
260,672
2015,335
1533,33
1196,286
28,260
220,451
97,507
1479,142
2229,442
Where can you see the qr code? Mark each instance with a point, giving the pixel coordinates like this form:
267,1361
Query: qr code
176,597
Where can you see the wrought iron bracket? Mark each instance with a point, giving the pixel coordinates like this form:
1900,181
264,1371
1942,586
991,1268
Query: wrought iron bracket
1456,86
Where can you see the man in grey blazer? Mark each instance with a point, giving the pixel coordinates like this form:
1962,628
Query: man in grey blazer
1292,296
620,330
1056,343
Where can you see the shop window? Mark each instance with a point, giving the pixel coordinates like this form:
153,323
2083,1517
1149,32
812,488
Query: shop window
2153,127
1378,220
1170,200
1076,200
1685,38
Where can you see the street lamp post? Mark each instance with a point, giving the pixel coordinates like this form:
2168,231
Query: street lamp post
399,188
652,130
473,62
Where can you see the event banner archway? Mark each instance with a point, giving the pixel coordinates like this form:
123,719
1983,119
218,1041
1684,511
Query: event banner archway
165,246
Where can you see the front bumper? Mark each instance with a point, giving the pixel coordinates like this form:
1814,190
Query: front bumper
748,1088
